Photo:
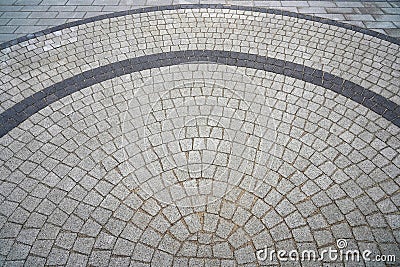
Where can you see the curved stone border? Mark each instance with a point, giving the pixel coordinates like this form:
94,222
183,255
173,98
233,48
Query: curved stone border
15,115
195,6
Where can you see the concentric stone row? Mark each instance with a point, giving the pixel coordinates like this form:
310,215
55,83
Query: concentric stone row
188,6
35,64
196,135
67,186
30,105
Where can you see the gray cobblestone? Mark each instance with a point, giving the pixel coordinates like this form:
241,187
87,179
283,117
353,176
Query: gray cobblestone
76,259
193,189
70,10
57,257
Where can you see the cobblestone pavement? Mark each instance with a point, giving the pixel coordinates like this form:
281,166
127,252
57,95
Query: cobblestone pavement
21,17
196,136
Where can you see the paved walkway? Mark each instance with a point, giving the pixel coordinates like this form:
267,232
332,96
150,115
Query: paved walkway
21,17
200,136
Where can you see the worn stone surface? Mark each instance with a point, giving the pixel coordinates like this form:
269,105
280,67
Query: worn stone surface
21,17
138,147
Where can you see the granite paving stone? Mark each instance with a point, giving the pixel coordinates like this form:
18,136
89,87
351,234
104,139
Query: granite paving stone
198,135
318,8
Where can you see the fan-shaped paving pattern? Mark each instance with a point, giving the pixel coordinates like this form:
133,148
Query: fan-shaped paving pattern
200,137
69,193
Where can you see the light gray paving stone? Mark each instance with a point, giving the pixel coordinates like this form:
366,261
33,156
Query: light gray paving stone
393,32
349,4
362,17
386,17
62,8
42,15
323,3
9,8
80,2
53,2
267,3
312,10
323,237
77,259
340,10
6,36
294,3
57,257
302,234
288,8
104,227
105,241
15,15
34,8
123,247
66,240
8,29
88,8
369,10
389,10
70,15
42,248
18,251
100,258
27,2
142,252
339,17
280,232
27,29
7,2
132,2
244,255
115,8
105,2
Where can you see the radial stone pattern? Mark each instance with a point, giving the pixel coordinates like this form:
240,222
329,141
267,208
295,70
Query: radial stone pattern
195,135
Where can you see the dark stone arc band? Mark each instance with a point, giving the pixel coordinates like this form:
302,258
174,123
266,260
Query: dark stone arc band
18,113
196,6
